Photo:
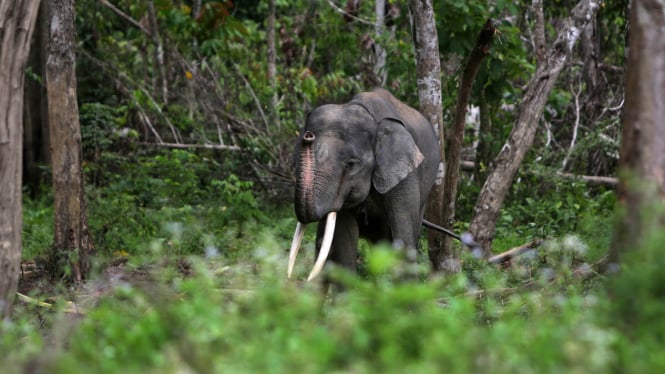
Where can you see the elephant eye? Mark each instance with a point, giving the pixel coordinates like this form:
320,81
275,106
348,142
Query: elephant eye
351,163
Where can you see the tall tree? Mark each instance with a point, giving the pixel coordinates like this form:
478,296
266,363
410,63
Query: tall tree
428,71
642,158
530,109
17,22
456,134
72,243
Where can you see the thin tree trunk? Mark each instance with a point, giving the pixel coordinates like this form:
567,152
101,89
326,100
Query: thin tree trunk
539,42
380,52
158,53
196,9
642,159
456,136
17,22
495,189
485,135
272,65
72,242
428,72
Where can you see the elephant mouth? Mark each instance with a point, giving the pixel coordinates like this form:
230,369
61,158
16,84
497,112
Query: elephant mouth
324,251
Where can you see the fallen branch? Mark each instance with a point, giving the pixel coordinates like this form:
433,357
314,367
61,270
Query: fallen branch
610,181
593,179
186,146
72,308
512,253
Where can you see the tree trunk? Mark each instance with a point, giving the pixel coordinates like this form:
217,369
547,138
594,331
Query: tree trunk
456,136
498,182
72,244
35,112
642,158
17,22
428,71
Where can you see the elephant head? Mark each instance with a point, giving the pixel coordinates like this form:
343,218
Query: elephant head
343,152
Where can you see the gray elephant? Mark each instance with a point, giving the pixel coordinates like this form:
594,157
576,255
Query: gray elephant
364,169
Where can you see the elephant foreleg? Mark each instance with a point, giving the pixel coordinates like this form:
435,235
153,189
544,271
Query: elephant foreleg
403,216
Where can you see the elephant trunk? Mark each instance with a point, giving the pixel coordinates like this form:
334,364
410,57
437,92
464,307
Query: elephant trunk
306,209
304,199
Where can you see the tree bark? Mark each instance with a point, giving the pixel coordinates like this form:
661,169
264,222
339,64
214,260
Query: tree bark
72,243
428,71
456,136
17,22
642,157
521,138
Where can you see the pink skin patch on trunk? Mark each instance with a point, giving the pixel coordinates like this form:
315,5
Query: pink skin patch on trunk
307,170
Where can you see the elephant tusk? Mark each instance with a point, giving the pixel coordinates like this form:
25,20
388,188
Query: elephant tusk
325,246
295,247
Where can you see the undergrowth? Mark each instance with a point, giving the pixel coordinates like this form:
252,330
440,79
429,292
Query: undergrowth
196,282
244,316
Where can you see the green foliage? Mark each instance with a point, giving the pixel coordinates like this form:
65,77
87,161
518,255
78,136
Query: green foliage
169,197
37,226
246,317
21,339
203,287
539,206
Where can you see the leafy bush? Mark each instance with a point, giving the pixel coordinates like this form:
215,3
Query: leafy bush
246,317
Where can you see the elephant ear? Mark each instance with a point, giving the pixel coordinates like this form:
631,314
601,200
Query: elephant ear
396,155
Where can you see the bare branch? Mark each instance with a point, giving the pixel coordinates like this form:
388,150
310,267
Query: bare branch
124,15
256,99
347,14
576,125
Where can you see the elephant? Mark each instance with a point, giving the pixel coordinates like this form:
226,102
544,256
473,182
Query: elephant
363,169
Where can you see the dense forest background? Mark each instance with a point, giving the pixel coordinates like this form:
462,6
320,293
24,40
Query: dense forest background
189,112
186,105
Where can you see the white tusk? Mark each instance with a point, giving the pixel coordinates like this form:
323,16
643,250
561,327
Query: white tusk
295,247
325,246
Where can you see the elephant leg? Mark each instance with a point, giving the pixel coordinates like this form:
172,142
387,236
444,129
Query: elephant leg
404,213
344,249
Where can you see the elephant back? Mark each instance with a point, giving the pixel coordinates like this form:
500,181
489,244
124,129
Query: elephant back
381,104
